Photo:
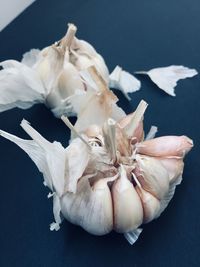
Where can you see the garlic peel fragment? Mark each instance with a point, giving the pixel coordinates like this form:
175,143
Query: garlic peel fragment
166,78
31,57
20,86
48,157
124,81
133,236
152,133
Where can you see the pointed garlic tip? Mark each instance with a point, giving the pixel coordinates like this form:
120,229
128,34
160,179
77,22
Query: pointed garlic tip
128,212
151,205
166,146
72,128
68,38
137,117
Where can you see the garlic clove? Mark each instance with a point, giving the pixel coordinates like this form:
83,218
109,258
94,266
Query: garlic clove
100,100
86,56
49,66
166,146
83,47
128,212
69,81
151,205
174,167
99,62
132,124
90,207
138,132
152,176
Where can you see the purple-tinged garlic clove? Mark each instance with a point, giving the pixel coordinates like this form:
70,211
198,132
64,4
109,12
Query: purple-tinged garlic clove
166,146
152,175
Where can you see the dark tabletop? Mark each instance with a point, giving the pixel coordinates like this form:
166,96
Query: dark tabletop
138,35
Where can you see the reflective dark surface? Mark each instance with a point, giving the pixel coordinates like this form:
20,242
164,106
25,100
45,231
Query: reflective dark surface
138,35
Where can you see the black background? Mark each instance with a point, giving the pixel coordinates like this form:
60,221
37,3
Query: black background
138,35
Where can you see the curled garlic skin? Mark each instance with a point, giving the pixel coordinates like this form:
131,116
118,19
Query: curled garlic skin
118,184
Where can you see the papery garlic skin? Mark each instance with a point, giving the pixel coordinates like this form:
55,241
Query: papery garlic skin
128,212
166,78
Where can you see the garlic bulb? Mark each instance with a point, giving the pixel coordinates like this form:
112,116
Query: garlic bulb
120,181
53,75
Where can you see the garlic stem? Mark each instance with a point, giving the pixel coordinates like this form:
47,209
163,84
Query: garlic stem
137,117
68,38
97,78
109,132
71,127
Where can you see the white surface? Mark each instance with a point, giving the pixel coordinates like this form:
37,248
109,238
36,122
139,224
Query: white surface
10,9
